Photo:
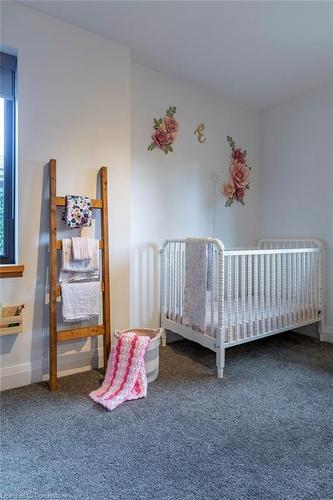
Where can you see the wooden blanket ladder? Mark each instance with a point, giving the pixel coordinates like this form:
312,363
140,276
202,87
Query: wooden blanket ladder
56,336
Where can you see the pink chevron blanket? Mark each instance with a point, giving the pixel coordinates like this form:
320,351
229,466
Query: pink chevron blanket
125,377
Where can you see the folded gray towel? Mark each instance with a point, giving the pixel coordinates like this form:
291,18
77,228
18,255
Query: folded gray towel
80,301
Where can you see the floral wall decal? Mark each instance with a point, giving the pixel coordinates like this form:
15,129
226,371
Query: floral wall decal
239,176
200,132
165,132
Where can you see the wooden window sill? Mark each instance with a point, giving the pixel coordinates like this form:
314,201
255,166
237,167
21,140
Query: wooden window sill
11,271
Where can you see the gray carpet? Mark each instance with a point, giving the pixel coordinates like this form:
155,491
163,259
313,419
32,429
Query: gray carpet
264,431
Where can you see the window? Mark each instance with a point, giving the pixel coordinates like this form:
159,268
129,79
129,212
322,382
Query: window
7,158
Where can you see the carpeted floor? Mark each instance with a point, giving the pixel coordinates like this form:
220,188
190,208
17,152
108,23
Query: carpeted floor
263,432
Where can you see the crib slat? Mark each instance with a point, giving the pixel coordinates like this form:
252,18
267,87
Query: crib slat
174,281
316,286
220,295
178,282
182,279
295,289
299,283
304,287
249,296
173,299
268,292
284,289
311,270
217,291
273,291
211,285
167,279
279,289
307,278
317,297
217,258
290,320
256,293
262,292
180,307
236,299
229,297
243,285
170,281
181,271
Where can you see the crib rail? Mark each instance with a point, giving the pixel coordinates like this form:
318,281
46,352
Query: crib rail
270,290
289,243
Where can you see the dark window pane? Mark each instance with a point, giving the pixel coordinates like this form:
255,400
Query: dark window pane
7,157
2,153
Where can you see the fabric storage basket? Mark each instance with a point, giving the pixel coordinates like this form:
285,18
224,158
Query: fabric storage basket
152,355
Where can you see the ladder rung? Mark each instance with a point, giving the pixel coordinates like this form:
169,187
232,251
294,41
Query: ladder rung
59,244
59,289
79,333
61,201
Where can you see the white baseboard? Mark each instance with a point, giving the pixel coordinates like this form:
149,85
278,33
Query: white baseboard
312,331
37,371
328,334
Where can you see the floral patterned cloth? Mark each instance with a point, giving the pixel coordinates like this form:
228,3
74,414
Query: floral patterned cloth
78,211
195,283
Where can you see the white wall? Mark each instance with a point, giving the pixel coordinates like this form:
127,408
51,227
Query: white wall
173,196
297,174
73,105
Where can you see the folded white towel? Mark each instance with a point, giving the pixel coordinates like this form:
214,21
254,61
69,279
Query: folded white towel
67,276
69,264
84,248
80,301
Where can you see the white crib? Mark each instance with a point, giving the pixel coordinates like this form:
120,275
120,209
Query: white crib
251,293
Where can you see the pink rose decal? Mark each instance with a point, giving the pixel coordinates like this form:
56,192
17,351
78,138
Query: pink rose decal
239,176
171,124
239,156
165,132
228,189
239,194
162,138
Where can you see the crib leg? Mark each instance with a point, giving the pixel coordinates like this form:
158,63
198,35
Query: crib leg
164,337
321,330
220,360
